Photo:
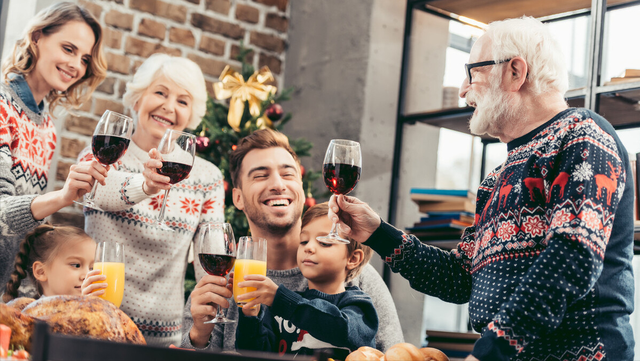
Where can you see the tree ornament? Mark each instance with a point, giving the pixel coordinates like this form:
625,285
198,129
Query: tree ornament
202,143
274,112
309,202
227,189
302,171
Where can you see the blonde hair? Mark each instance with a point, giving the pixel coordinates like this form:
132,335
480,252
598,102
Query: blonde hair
182,71
49,21
322,210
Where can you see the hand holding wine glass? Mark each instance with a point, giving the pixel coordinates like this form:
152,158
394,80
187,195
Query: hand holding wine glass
341,172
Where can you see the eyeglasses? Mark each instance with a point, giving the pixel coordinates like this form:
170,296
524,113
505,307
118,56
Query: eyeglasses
468,67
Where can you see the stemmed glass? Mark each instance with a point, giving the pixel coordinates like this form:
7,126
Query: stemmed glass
110,141
341,171
177,150
217,254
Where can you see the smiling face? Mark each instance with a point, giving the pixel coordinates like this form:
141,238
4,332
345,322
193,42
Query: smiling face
163,105
63,57
64,272
270,191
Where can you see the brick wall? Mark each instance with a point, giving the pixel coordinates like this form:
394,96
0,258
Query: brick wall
208,32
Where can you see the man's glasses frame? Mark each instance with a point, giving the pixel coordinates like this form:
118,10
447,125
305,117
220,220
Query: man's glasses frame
468,67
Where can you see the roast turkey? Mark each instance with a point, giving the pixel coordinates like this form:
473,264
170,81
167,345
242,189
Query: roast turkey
70,315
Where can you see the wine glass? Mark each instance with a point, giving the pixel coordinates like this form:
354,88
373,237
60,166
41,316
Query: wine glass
110,141
341,172
177,150
217,254
110,260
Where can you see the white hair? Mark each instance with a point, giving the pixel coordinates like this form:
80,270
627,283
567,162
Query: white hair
182,71
531,39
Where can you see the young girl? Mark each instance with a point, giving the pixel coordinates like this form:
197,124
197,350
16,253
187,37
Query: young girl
55,259
58,61
327,315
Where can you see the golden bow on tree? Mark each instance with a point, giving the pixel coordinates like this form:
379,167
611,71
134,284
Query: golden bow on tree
254,90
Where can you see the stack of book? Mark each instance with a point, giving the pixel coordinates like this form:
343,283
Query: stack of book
447,213
635,165
629,76
453,344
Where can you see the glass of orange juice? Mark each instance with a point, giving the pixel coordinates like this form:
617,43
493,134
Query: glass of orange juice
110,259
251,259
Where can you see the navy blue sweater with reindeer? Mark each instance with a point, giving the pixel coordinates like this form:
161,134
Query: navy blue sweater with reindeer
546,268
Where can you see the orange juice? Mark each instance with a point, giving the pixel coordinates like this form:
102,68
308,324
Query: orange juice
115,281
246,267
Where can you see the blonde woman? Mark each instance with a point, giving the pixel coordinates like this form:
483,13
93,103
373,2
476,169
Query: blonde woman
166,92
58,61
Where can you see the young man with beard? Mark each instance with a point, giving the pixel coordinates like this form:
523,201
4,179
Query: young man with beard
546,267
268,187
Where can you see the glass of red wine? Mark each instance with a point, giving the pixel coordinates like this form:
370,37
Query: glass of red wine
217,254
341,171
177,150
110,141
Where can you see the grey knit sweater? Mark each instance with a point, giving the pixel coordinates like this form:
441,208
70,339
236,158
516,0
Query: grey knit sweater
389,333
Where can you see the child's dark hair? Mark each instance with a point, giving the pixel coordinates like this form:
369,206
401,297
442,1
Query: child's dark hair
39,245
322,210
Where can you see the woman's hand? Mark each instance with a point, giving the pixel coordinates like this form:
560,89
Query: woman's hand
208,293
97,289
81,178
154,182
264,294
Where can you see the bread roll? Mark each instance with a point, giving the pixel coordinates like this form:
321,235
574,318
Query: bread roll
365,353
403,352
433,354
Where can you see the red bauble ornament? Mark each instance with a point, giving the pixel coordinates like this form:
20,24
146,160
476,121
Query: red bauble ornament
302,171
227,188
310,202
274,112
202,144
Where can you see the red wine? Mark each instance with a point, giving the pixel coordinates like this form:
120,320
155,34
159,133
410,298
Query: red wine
175,171
216,264
108,148
341,178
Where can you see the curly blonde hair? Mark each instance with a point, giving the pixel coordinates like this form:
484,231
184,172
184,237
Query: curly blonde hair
24,57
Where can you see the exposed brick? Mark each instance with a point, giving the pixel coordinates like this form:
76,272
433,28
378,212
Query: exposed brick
182,36
277,22
136,65
274,64
247,13
173,12
209,66
235,51
86,106
112,38
145,49
119,20
219,6
117,63
152,28
217,26
210,91
194,1
107,104
107,85
212,45
118,1
94,9
280,4
70,148
266,41
62,172
122,85
80,125
73,219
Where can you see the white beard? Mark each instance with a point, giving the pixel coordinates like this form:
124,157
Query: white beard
493,111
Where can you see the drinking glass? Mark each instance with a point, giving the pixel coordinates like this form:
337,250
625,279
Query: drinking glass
217,254
110,260
341,171
251,259
177,150
110,141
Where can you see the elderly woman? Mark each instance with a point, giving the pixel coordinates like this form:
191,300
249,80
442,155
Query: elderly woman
166,93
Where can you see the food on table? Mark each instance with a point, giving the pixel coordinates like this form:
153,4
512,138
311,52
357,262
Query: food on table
433,354
403,352
365,353
398,352
5,336
20,302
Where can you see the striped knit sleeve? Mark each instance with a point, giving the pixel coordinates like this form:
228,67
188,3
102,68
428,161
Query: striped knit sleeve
15,210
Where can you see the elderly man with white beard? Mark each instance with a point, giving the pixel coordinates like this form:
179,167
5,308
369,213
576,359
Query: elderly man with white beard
546,267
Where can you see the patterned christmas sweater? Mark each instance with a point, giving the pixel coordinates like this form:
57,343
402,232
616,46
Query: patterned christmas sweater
546,268
155,259
27,143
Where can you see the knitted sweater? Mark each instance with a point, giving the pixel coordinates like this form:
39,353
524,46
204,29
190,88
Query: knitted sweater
546,268
369,281
155,260
27,143
300,323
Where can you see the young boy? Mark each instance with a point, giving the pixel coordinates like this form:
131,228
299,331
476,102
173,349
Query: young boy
326,315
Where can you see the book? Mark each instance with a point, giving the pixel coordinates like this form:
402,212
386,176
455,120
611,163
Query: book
630,73
452,341
420,195
464,205
618,80
440,225
458,216
450,215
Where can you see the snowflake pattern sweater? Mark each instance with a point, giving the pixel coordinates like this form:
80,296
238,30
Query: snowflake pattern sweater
156,260
27,143
546,268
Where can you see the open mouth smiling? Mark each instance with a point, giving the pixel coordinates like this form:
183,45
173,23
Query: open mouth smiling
162,120
279,202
